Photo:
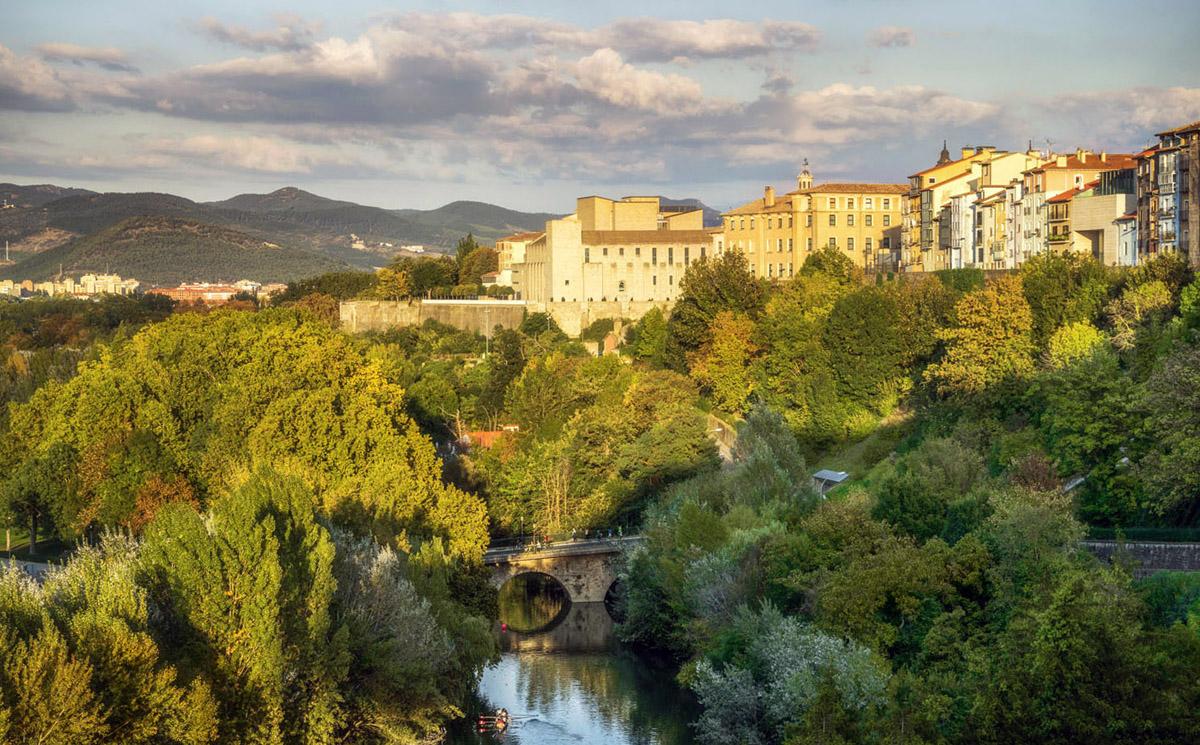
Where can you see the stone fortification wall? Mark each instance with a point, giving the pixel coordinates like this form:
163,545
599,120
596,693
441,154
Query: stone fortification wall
483,315
1148,557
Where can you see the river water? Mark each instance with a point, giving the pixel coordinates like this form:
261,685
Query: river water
564,678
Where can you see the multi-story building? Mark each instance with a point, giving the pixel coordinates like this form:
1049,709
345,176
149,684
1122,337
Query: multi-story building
941,200
89,285
510,250
631,249
1100,217
777,234
1169,194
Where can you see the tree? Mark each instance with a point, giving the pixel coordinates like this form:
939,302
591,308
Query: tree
39,488
1171,466
1073,343
650,338
1060,289
722,365
391,284
709,286
833,264
989,342
465,247
478,262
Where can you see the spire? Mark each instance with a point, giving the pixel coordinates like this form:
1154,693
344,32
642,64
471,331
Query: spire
945,156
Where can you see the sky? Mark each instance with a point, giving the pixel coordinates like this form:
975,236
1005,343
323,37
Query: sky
529,104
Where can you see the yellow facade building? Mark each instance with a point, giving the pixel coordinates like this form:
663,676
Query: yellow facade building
777,234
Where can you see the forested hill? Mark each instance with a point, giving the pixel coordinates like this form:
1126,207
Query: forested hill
169,250
48,217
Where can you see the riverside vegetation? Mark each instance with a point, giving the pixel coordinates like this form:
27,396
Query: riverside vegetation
271,550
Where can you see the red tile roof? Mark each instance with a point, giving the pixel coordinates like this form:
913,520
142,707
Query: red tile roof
521,237
1111,162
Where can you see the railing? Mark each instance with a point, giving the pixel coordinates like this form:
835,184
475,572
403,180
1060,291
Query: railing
558,539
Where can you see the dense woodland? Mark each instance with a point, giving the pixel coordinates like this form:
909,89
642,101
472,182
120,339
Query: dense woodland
259,499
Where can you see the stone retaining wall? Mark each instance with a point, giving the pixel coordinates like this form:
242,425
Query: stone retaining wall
1148,557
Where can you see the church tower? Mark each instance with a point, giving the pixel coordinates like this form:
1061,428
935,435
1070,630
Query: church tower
804,180
945,156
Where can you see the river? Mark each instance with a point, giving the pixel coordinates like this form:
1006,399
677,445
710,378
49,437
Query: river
565,678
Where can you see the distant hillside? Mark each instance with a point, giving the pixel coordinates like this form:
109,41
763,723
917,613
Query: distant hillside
167,250
712,217
486,221
36,195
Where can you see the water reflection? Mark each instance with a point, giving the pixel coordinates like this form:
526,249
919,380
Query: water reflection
573,683
532,602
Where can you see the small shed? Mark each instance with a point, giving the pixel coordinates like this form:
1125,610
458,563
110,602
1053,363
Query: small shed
824,480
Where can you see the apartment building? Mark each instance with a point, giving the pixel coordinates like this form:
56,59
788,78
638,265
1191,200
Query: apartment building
1168,192
777,234
510,250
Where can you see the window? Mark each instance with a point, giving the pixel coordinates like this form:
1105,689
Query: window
849,203
886,243
637,251
887,221
789,245
868,203
605,250
702,249
887,204
621,251
778,244
832,242
752,223
687,258
654,255
809,245
566,281
654,279
781,270
868,244
808,221
833,203
670,254
621,286
671,279
791,220
789,268
770,268
587,255
833,221
850,221
849,244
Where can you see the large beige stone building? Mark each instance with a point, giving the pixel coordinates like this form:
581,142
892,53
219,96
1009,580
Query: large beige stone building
776,234
628,250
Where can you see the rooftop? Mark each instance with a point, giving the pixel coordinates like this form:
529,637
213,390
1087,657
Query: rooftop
645,237
521,237
1193,127
854,189
1089,162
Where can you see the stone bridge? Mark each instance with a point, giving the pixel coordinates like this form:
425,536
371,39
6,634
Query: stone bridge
585,568
1147,557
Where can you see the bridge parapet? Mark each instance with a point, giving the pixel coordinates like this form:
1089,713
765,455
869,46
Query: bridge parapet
587,569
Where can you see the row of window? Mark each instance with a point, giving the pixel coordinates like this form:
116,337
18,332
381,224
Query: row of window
637,252
777,222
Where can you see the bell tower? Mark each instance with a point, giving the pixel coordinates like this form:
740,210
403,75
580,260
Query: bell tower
804,180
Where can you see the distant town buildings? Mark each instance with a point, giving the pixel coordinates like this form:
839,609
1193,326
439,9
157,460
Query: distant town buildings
89,285
218,294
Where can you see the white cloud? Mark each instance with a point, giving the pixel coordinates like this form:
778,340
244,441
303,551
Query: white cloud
110,58
893,36
290,33
606,76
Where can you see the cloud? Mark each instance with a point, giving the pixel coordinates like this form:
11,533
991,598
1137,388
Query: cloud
28,84
892,36
109,58
609,78
248,153
291,33
655,40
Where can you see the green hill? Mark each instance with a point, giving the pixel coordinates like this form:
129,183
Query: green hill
35,195
167,250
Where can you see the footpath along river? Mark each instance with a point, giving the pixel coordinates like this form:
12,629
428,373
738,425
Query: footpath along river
564,678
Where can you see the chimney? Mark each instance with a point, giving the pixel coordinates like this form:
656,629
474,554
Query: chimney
967,152
1103,156
768,196
1060,161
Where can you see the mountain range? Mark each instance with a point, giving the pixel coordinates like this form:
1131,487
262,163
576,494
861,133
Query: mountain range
284,235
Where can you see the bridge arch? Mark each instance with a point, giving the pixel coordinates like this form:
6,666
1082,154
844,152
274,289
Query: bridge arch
587,569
